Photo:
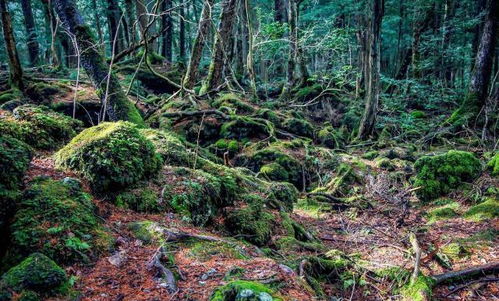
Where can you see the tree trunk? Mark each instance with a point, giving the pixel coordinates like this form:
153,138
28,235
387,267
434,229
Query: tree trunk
300,55
129,8
198,45
280,13
167,27
115,103
221,48
115,28
52,31
142,16
97,23
16,71
29,23
372,81
181,35
480,80
419,28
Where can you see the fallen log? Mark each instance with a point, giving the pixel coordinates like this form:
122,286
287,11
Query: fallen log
468,273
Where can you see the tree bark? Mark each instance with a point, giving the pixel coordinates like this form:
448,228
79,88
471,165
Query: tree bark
97,23
115,30
280,13
181,35
129,7
167,28
293,41
51,23
372,81
115,103
198,45
16,71
29,23
221,46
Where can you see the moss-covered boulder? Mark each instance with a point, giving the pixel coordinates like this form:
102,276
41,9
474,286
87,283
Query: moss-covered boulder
194,194
331,137
241,290
56,218
493,165
438,175
39,127
246,128
111,156
37,275
283,194
299,126
232,102
140,199
253,222
14,161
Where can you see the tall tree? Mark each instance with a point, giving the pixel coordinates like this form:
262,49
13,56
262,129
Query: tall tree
115,104
98,26
115,26
29,23
167,28
129,9
16,71
280,11
221,46
181,34
198,45
51,24
372,82
480,79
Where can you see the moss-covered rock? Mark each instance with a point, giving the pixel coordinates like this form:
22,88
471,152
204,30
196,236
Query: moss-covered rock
246,127
418,290
253,223
169,147
274,171
488,209
57,219
241,290
454,250
37,273
41,92
233,102
299,126
493,165
331,137
140,199
110,156
443,212
196,195
39,127
147,231
438,175
285,194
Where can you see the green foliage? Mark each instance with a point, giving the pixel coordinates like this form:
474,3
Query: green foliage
331,137
15,157
232,101
241,290
245,127
438,175
419,290
142,199
57,219
299,126
111,156
39,127
493,165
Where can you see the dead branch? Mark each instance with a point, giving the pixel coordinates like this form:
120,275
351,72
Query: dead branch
417,259
470,283
165,273
467,273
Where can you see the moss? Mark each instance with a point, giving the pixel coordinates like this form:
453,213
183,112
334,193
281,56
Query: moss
419,290
397,274
110,156
241,290
252,223
438,175
274,171
308,92
488,209
418,114
370,155
153,58
343,183
386,164
40,127
271,116
233,101
327,268
493,165
454,250
299,126
28,296
288,244
57,219
9,95
140,199
15,157
36,273
285,194
205,250
442,213
147,231
170,147
227,145
245,127
331,137
194,194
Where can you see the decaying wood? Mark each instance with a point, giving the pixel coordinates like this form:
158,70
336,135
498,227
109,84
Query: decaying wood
166,274
417,257
467,273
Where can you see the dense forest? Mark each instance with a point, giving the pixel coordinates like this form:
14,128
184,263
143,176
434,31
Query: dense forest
249,150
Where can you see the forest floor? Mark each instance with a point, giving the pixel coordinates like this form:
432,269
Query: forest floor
374,231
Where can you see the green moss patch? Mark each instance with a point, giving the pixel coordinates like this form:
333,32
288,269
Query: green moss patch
443,212
486,210
110,156
147,231
240,290
252,223
438,175
419,290
39,127
205,250
246,128
140,199
493,165
234,102
299,126
57,219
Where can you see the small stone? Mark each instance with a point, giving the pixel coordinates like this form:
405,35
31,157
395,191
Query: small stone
117,259
202,283
264,297
246,293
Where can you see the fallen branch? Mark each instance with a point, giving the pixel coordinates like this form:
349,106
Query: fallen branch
467,273
165,273
457,289
417,259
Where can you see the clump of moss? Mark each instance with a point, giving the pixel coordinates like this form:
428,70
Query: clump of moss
454,250
253,223
299,126
438,175
370,155
331,137
57,219
147,231
493,165
40,127
9,95
37,274
41,92
140,199
488,209
194,194
271,116
232,146
442,212
111,156
240,290
274,171
232,101
418,290
205,250
172,150
245,127
418,114
285,194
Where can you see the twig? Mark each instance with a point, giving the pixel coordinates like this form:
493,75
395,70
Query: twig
470,283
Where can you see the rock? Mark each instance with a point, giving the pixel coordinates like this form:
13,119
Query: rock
118,258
